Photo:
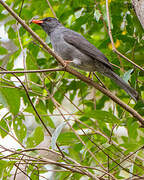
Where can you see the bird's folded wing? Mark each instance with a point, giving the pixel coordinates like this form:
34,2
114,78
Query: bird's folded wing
85,47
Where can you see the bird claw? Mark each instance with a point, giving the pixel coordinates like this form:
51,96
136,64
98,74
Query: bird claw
66,63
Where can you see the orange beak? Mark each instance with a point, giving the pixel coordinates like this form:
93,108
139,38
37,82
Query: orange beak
37,22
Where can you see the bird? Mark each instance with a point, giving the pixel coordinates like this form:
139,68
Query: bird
80,53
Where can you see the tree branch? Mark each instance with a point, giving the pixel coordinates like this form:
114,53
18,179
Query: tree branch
51,8
112,42
72,71
139,9
35,110
33,71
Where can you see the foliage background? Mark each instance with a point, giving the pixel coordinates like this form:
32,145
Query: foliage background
100,133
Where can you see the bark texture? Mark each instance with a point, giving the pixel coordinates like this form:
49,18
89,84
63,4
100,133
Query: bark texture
139,9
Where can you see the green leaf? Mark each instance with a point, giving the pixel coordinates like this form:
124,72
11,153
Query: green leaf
3,165
35,174
75,151
42,109
50,105
35,138
10,98
132,128
56,134
2,15
103,116
11,33
47,120
19,128
4,126
132,146
31,64
80,21
127,75
67,138
3,50
139,107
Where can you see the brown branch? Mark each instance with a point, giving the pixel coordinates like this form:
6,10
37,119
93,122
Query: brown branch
112,42
51,8
33,71
80,139
76,167
127,157
17,165
36,112
72,71
23,171
99,147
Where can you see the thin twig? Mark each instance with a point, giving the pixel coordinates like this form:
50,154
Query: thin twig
49,161
33,71
34,108
99,80
112,42
51,8
23,171
17,165
117,164
127,157
21,8
55,104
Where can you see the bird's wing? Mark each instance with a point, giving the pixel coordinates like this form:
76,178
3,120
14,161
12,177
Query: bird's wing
85,46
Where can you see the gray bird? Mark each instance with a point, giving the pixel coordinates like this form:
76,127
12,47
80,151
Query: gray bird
73,47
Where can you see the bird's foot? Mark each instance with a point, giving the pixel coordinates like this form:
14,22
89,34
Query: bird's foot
66,63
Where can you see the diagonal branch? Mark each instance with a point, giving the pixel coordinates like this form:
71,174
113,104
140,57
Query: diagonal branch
72,71
112,42
51,8
36,112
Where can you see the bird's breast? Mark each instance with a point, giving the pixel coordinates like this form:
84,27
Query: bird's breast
61,48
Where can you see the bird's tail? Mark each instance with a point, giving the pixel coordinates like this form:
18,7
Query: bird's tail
131,91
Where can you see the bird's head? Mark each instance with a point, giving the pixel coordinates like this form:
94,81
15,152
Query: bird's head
48,24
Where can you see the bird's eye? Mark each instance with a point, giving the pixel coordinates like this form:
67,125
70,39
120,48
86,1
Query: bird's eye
48,19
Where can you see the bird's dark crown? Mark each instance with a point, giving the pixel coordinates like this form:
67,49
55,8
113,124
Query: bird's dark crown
49,19
49,24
